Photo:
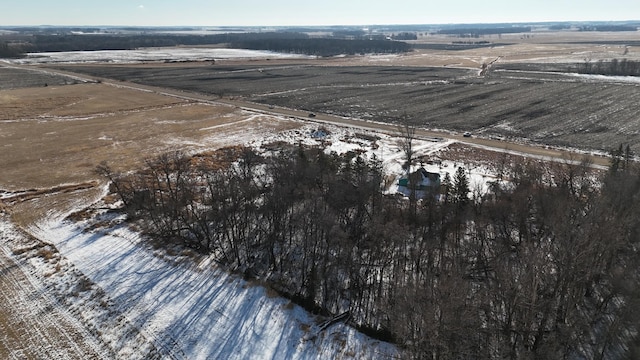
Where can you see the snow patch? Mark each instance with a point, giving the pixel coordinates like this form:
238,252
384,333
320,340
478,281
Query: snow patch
151,54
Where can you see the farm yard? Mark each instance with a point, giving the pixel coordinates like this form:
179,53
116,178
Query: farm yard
59,122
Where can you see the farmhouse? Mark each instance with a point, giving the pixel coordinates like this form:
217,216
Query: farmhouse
422,182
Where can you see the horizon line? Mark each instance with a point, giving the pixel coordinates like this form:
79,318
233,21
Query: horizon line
327,25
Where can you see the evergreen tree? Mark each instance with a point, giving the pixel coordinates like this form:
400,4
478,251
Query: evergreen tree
460,187
446,188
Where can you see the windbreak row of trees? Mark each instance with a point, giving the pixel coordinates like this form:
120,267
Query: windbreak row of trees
405,36
475,32
9,50
608,28
72,42
326,46
544,265
275,41
614,67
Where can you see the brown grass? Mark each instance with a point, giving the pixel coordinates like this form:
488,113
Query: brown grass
305,328
459,152
270,292
467,154
36,246
27,213
218,159
58,135
31,194
80,215
46,253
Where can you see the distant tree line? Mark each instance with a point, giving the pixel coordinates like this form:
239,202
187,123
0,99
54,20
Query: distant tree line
45,43
325,47
457,45
352,33
291,42
613,67
481,42
364,35
542,266
562,26
405,36
476,32
608,28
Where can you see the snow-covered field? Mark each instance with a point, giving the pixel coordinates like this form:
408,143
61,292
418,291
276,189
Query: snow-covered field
151,54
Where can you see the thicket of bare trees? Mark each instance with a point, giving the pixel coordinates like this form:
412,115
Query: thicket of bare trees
542,266
10,50
618,67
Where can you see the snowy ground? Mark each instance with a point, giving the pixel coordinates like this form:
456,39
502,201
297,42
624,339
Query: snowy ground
151,54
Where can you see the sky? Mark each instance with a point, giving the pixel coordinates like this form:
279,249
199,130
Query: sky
302,12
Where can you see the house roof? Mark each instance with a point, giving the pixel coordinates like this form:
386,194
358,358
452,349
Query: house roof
422,178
